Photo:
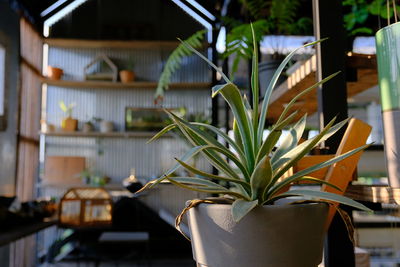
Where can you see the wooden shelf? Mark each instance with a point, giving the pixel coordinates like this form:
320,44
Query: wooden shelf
79,43
373,193
104,135
119,85
302,76
112,186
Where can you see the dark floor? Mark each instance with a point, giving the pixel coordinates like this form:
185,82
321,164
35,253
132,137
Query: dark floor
165,246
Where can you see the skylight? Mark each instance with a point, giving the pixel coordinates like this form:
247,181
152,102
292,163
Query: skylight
196,16
59,15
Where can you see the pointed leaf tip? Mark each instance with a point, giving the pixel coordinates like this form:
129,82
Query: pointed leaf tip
241,207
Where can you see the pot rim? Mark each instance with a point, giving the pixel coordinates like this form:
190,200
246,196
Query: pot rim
291,203
386,28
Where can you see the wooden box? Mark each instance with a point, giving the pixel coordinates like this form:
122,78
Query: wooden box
63,170
81,207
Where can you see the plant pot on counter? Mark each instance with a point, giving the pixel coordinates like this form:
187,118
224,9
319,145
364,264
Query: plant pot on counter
126,76
54,73
69,124
271,235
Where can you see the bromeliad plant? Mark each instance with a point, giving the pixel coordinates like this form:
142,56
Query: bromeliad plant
258,178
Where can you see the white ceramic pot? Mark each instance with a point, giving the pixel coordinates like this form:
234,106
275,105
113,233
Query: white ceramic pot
269,236
106,126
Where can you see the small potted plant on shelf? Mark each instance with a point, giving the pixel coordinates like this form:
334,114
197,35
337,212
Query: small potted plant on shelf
127,75
54,73
93,178
68,124
250,224
87,127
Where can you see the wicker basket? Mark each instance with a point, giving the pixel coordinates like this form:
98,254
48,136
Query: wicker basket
90,206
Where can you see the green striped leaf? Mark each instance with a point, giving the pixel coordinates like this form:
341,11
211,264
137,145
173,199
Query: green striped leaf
212,176
320,195
210,140
307,148
162,132
273,137
224,136
234,99
291,139
197,182
261,178
241,207
304,147
268,144
211,190
286,121
300,95
206,60
211,156
188,155
236,134
255,87
268,92
318,181
314,168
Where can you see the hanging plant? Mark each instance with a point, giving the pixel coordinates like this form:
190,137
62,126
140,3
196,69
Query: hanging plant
174,62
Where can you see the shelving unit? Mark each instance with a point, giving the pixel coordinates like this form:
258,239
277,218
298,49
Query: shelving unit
104,135
119,85
79,43
69,185
115,153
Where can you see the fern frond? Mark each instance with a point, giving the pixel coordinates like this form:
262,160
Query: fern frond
239,41
256,8
174,62
283,14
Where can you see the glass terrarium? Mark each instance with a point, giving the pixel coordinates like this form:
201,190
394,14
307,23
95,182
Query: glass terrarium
81,207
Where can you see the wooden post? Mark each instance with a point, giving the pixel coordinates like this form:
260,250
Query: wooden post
332,96
332,101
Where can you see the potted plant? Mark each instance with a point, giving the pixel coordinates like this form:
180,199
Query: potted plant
251,224
68,124
87,127
365,17
127,75
387,41
54,73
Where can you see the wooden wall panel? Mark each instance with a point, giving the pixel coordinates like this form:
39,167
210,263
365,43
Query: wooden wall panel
23,251
29,119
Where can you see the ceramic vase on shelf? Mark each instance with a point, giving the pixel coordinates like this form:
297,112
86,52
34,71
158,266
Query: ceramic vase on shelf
388,59
46,127
126,76
106,126
54,73
87,127
69,124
